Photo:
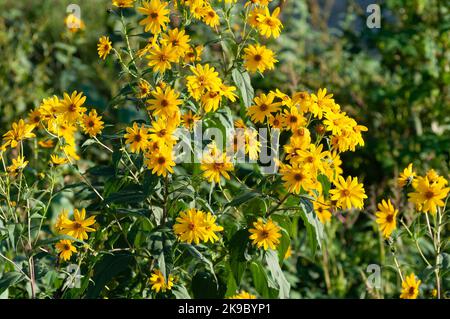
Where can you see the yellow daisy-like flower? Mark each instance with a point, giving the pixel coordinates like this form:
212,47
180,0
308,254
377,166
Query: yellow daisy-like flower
157,15
137,137
428,196
144,89
265,234
211,228
46,143
162,132
123,3
215,166
410,287
65,249
407,176
322,102
35,117
62,218
18,164
322,208
243,295
293,118
79,227
161,57
210,17
190,226
92,123
189,119
71,108
19,132
165,102
73,23
276,121
204,78
104,47
179,40
269,25
386,217
57,161
160,162
264,106
193,54
259,58
253,16
296,178
348,193
159,283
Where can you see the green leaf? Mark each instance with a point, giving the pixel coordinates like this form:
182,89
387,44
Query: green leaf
238,258
260,278
205,286
313,225
180,292
277,274
242,198
160,246
244,85
326,185
9,279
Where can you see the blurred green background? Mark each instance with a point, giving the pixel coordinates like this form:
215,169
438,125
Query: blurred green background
394,80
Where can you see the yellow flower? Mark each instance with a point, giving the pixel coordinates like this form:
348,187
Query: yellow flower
193,54
293,119
137,137
144,89
312,157
410,287
211,228
386,217
215,166
269,25
348,193
123,3
322,102
80,226
159,283
162,132
296,178
160,162
205,78
56,160
71,108
428,196
189,119
179,40
253,16
322,209
35,117
18,164
65,249
407,176
157,15
190,226
62,218
19,132
73,23
259,58
63,129
243,295
210,17
263,107
276,121
288,253
161,57
165,102
92,123
46,143
265,234
104,47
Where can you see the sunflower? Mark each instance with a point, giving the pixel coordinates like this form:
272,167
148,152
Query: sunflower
259,58
159,283
179,40
210,17
265,234
80,226
18,164
428,196
190,226
162,132
19,132
65,249
269,25
160,162
165,102
123,3
386,217
254,13
189,119
215,166
296,178
322,102
293,119
193,54
348,193
57,161
157,15
312,157
63,217
204,78
35,117
71,108
407,176
243,295
161,57
410,287
322,208
144,89
92,123
137,137
211,228
276,121
104,47
263,107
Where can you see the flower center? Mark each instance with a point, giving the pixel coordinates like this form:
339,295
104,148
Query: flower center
429,195
264,234
298,177
263,107
161,160
258,57
77,225
389,218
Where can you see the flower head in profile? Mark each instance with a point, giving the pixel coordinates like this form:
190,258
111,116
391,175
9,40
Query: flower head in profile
265,234
123,3
80,226
322,208
348,193
18,132
243,295
57,160
18,164
157,15
410,287
104,47
92,123
386,217
65,249
137,138
159,283
407,176
190,226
